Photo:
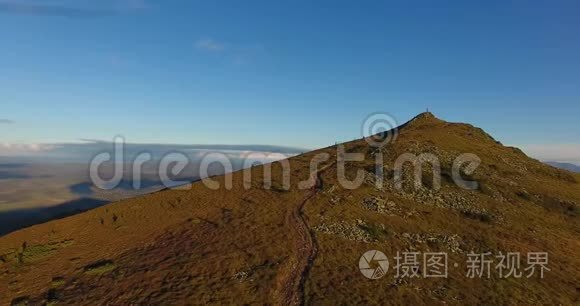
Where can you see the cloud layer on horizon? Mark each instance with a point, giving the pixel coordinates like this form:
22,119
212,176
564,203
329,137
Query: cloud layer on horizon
85,151
569,153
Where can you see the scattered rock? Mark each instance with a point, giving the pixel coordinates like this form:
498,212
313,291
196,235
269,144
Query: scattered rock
374,203
345,230
241,276
450,242
334,199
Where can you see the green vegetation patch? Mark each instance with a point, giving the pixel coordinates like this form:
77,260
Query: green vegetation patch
194,220
100,267
57,282
374,231
36,252
31,253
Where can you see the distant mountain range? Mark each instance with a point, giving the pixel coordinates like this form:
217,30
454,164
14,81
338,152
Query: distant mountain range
565,166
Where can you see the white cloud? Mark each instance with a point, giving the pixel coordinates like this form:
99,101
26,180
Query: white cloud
554,152
261,156
12,149
210,45
88,148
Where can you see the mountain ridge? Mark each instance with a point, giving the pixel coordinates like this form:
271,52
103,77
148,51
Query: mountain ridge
239,245
565,166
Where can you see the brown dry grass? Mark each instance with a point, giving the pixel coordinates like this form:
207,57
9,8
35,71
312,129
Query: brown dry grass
216,246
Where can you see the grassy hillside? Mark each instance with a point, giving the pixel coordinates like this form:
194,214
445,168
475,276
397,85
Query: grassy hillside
197,245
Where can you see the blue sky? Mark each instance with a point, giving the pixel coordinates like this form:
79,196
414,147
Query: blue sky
292,73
